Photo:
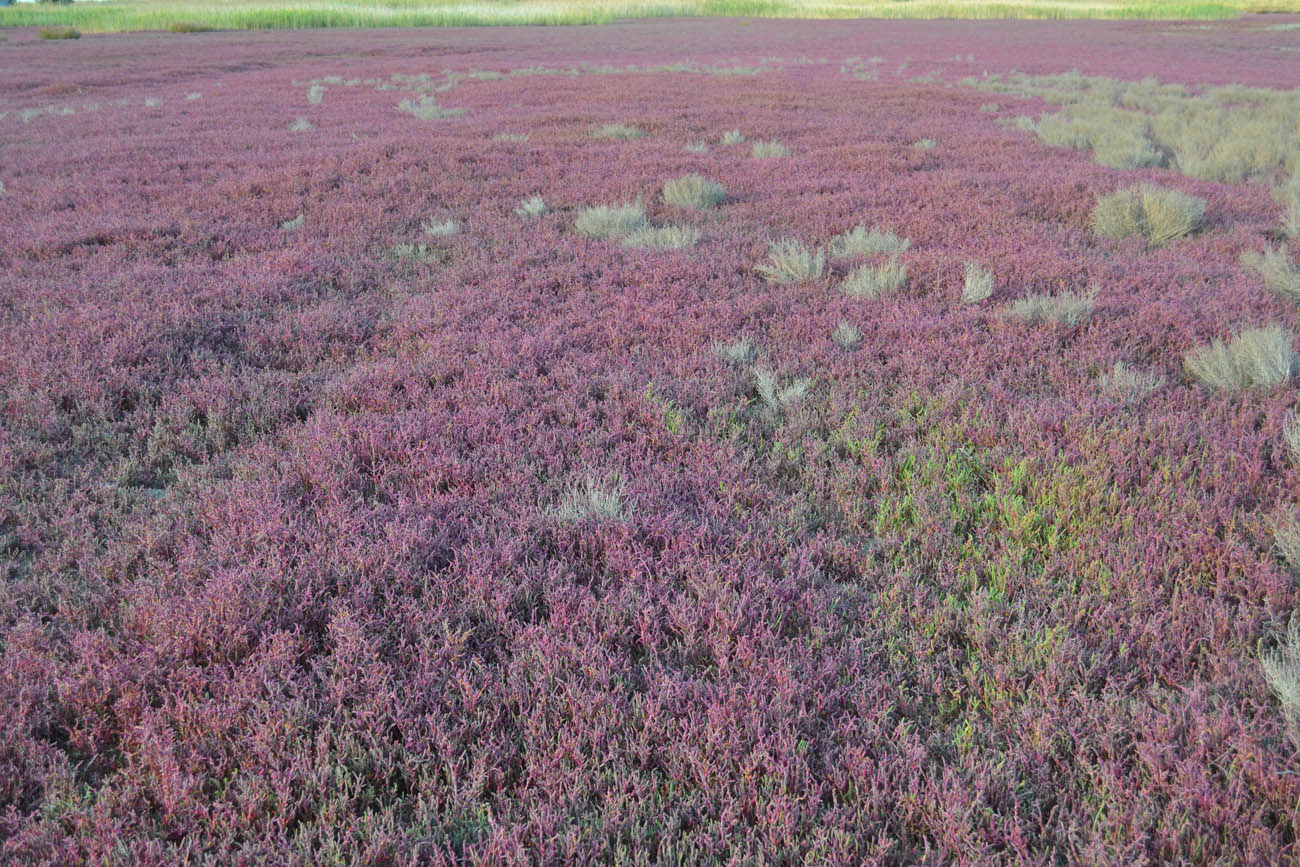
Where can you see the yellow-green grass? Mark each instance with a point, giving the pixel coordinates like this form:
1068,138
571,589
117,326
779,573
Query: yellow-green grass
119,15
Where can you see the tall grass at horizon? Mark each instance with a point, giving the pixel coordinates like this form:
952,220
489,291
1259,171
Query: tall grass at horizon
125,15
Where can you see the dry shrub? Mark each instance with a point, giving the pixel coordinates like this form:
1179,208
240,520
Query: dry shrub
1160,215
611,221
693,191
874,281
1280,275
1130,384
860,241
1068,308
846,335
1255,357
977,284
789,261
1282,672
663,237
765,149
533,206
593,500
60,33
618,131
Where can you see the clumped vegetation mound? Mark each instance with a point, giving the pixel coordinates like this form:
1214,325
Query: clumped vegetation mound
618,131
789,261
189,27
1156,214
768,149
861,241
1068,308
611,221
328,540
60,33
1215,133
1280,274
874,281
693,191
1256,357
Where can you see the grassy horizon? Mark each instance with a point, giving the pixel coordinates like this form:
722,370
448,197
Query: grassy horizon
126,15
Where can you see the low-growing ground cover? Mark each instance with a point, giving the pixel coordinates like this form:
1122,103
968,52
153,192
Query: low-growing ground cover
368,496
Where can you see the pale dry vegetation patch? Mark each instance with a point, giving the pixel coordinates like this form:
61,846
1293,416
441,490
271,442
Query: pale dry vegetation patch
768,149
533,206
1157,214
789,261
874,281
662,237
977,283
611,221
1256,357
618,131
778,398
427,108
846,335
1282,672
1130,384
593,499
1067,308
861,241
693,191
440,228
738,352
1280,275
1224,133
733,137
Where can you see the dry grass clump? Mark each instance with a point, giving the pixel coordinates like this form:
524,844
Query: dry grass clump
696,147
977,284
1289,196
778,398
925,144
618,131
60,33
316,94
1118,138
789,261
518,137
1157,214
663,237
1286,538
593,500
1226,133
738,352
693,191
1282,672
732,137
300,124
1280,275
611,221
846,335
1255,357
1291,433
1129,384
440,228
874,281
292,225
427,108
533,206
765,149
861,241
1068,308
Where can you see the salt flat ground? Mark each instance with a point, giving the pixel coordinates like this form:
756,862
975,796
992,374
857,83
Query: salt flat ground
353,511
